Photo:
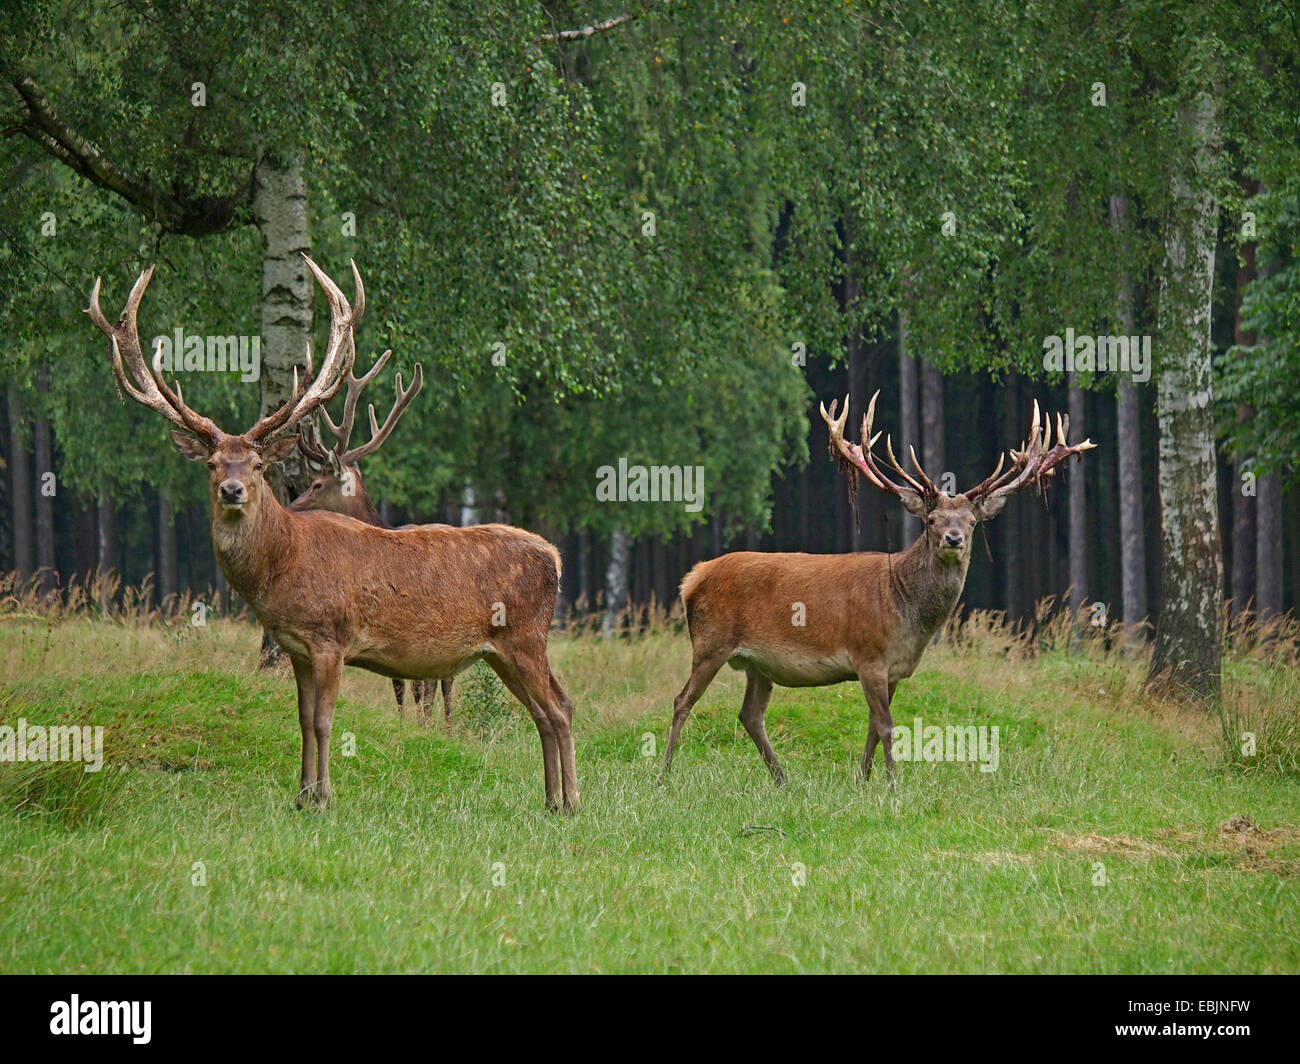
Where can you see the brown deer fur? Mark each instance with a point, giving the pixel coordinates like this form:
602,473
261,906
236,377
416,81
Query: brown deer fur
808,620
326,492
422,602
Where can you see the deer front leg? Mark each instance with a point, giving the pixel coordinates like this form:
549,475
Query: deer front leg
399,690
879,693
302,674
326,668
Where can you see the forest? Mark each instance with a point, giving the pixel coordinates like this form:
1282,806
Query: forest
664,238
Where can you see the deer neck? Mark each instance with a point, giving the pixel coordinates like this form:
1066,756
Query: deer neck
360,505
254,548
925,586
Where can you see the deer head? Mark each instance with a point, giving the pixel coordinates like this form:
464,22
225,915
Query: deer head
236,463
949,520
338,486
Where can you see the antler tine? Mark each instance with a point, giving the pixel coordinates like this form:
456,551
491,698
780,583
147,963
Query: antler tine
343,433
309,444
335,367
144,382
378,433
929,484
911,481
1036,461
855,456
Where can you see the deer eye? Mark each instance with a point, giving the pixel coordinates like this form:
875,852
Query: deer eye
257,467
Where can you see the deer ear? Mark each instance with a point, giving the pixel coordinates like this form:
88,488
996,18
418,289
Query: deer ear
279,450
990,507
193,449
912,503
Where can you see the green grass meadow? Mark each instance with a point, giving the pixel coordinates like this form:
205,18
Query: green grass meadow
1105,842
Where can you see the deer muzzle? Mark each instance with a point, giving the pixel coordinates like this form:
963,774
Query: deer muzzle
233,494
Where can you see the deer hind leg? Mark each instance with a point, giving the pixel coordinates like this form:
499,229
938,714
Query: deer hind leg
515,683
399,689
420,695
564,737
446,699
758,692
703,669
879,693
326,668
302,674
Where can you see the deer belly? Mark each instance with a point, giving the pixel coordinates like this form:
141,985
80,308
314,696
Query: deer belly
420,663
794,668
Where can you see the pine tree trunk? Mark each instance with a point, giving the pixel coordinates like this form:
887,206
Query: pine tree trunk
105,546
616,580
909,401
1242,585
166,553
46,484
933,450
585,593
1268,546
1187,652
20,486
1012,559
1078,537
1132,530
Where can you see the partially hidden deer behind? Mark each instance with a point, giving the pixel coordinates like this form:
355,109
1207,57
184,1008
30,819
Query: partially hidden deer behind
808,620
422,602
338,487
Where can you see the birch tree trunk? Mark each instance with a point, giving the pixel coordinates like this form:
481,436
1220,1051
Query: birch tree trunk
615,580
1187,652
280,207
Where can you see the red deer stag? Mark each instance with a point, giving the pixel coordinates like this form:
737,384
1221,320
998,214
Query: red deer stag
807,620
339,488
422,602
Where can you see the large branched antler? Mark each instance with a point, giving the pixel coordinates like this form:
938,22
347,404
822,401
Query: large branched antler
342,432
340,353
143,381
856,458
1035,461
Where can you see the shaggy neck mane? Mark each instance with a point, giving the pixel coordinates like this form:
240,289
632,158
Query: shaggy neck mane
256,547
927,588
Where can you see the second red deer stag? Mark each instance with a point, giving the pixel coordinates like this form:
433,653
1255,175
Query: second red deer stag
808,620
423,602
339,488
